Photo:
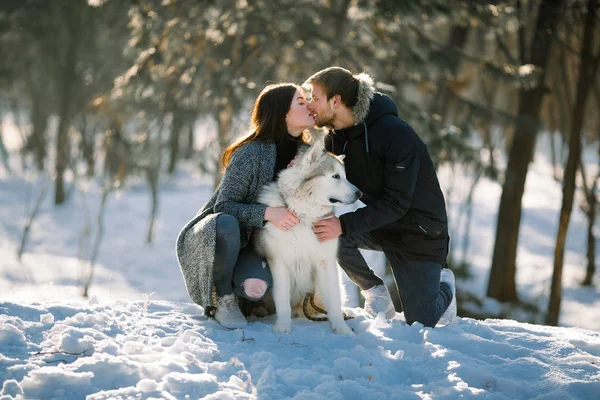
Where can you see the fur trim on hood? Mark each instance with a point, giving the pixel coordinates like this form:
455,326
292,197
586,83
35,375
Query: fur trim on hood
366,92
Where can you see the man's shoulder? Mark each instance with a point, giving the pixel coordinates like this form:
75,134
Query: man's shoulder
391,120
394,134
394,127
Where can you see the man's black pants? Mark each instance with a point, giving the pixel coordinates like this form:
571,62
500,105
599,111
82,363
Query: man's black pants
424,298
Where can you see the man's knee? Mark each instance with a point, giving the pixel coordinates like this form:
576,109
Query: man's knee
346,246
425,315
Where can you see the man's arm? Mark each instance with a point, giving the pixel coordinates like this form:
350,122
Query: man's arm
402,161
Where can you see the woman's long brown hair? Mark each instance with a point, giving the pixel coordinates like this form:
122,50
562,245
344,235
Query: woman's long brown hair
267,122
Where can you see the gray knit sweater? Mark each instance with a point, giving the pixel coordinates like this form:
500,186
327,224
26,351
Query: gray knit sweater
250,168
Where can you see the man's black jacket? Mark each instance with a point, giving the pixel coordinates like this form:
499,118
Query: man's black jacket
405,208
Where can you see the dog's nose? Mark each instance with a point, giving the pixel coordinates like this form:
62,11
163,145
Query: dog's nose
358,194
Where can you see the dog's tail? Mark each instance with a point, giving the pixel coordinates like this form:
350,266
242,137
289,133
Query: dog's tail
310,298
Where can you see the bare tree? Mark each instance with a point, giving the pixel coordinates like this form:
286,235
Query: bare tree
117,150
106,191
87,129
589,204
32,214
152,174
174,137
72,23
588,68
3,151
501,284
189,149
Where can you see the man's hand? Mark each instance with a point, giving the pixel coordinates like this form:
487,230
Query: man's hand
328,228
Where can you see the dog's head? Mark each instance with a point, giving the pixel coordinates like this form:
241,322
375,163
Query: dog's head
319,177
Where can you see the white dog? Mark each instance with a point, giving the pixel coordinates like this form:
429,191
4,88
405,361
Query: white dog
299,263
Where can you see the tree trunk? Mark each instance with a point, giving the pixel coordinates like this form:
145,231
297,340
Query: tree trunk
189,150
88,136
224,122
36,141
587,70
4,156
62,151
176,126
67,79
468,217
502,276
591,239
553,157
152,175
30,219
106,190
592,202
457,40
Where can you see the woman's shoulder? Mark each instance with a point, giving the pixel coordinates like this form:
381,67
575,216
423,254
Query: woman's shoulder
253,149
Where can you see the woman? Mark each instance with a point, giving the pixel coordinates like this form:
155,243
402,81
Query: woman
216,261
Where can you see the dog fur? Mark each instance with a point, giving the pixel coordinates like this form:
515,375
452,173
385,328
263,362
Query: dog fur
299,263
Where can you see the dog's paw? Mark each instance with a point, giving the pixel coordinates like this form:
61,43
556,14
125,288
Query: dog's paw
282,327
342,329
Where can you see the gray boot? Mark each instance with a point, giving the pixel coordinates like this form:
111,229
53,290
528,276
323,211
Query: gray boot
228,312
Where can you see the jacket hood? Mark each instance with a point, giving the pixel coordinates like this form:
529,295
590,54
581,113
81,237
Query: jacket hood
381,105
366,91
371,106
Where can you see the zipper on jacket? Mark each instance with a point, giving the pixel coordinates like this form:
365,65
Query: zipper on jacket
366,136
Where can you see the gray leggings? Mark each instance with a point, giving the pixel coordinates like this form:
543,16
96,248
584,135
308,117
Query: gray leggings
234,265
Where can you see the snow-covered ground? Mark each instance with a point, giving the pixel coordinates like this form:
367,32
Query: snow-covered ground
539,223
158,349
140,337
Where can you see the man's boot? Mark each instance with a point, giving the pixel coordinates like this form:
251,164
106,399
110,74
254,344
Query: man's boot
377,299
449,316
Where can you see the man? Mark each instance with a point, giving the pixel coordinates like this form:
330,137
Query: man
405,213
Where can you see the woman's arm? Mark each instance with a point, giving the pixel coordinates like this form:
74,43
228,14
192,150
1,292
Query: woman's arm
235,185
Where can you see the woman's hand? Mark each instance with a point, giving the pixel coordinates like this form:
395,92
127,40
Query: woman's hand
292,162
281,217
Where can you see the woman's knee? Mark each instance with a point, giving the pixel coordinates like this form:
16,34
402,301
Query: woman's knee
228,227
255,288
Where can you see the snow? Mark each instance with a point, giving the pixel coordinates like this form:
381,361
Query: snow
539,224
139,336
158,349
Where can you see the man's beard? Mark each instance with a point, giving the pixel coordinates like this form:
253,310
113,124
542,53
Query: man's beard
325,123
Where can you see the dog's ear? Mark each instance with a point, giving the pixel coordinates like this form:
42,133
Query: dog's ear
314,152
341,157
317,135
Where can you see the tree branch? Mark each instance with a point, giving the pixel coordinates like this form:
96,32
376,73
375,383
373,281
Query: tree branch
521,34
505,50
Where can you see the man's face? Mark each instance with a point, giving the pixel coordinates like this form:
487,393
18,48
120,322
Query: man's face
321,108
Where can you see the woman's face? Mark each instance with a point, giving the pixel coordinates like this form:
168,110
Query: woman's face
299,117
